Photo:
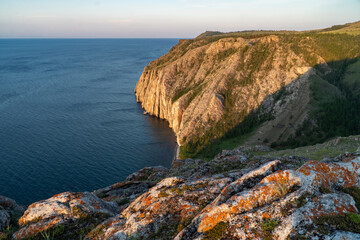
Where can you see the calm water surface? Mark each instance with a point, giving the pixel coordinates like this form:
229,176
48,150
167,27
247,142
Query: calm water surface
69,120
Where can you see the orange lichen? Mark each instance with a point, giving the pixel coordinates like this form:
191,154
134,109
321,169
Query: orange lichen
147,200
57,195
266,216
156,206
318,210
35,228
325,174
208,222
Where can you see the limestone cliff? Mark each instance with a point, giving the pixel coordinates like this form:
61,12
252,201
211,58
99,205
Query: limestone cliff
206,86
190,90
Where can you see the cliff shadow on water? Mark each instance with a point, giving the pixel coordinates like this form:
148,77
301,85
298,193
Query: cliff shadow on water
322,103
160,130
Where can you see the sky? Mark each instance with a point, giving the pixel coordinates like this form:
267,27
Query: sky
166,18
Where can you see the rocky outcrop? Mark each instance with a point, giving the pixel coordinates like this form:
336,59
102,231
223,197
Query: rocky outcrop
64,214
234,196
136,184
265,203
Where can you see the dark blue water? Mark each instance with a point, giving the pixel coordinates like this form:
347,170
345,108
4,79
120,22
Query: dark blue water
69,120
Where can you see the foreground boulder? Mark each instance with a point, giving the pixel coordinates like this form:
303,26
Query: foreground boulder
64,216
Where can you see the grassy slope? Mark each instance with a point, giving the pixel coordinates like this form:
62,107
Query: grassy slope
352,78
322,91
329,149
350,28
331,47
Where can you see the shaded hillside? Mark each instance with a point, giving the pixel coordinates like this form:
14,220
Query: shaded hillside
207,87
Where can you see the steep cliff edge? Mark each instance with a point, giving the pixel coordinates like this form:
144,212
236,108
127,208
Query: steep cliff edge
207,86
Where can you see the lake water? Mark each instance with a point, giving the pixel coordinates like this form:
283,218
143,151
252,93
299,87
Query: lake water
69,120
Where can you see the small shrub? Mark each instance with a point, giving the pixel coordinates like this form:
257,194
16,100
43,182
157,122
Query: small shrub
348,222
324,190
188,188
355,193
7,233
301,201
163,193
124,201
216,232
46,235
176,190
102,195
282,187
267,227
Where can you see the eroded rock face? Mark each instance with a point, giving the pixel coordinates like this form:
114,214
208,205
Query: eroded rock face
66,211
188,85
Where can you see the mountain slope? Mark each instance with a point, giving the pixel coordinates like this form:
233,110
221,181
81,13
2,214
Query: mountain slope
211,85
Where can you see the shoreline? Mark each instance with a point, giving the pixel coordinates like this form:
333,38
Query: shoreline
177,151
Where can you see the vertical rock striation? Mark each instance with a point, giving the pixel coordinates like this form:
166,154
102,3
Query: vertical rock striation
204,83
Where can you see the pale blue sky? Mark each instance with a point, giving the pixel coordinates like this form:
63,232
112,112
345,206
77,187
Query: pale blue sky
166,18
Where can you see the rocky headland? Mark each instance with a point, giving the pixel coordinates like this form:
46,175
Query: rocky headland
273,89
274,86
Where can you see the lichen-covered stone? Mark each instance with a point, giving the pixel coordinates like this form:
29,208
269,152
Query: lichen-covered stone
64,209
135,184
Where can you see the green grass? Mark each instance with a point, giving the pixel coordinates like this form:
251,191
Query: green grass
350,28
354,192
352,78
216,232
269,225
319,151
321,90
228,144
349,222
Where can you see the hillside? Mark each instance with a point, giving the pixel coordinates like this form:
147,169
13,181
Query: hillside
284,89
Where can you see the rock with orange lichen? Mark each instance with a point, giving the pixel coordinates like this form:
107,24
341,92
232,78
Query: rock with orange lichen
71,212
171,205
163,211
135,184
282,205
238,160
